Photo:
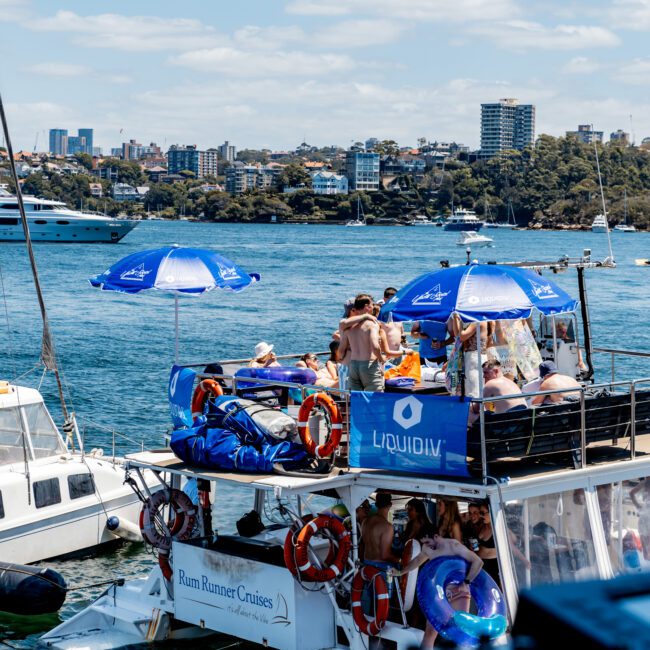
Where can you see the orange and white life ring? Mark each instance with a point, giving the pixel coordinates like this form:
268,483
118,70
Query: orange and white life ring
310,573
367,624
325,401
290,547
179,522
408,581
203,390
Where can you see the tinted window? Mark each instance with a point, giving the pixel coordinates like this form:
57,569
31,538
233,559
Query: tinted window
63,223
47,493
2,507
8,221
9,206
81,485
40,222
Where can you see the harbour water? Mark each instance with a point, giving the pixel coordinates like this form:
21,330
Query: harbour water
116,350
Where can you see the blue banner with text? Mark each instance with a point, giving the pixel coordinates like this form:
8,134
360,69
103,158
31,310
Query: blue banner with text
426,434
181,385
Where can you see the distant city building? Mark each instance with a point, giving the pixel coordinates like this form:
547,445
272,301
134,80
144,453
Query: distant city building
371,143
620,136
96,190
241,178
586,134
410,165
62,144
189,158
87,135
59,142
329,183
362,170
227,152
116,152
97,151
506,125
131,150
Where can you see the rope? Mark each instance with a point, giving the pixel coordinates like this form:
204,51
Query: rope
116,581
9,339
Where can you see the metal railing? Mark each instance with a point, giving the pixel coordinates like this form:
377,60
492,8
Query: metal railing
613,353
585,395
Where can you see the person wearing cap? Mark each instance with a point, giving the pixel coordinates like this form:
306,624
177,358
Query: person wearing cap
264,357
551,379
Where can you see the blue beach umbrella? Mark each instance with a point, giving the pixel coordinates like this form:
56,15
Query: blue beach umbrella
174,269
477,292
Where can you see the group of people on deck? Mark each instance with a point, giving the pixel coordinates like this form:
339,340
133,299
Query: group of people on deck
469,536
504,352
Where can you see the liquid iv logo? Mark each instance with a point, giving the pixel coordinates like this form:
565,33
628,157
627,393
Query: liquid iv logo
172,384
542,291
228,272
407,412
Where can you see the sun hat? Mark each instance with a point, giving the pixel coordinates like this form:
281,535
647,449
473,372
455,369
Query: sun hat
262,349
547,368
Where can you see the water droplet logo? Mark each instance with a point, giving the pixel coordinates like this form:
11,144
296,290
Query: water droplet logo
407,412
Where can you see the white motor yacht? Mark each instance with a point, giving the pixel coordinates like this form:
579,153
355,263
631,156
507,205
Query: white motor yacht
462,219
472,238
599,224
54,501
53,221
421,220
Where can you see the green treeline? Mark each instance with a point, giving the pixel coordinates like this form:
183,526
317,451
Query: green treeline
552,184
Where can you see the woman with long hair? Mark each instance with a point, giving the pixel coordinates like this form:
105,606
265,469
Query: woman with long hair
449,522
418,525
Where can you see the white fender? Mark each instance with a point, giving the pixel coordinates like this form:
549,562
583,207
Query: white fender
124,528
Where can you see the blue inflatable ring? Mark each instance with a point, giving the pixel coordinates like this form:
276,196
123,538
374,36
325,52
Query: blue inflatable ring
279,373
460,627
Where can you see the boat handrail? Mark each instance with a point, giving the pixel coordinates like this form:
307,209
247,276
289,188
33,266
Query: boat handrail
614,352
232,362
85,422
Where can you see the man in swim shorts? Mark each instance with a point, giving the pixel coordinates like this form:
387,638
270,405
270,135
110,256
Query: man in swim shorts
497,385
457,595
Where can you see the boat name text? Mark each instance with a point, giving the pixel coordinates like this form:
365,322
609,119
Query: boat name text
239,592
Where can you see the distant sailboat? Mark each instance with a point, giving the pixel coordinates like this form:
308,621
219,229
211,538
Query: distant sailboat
361,219
624,227
510,222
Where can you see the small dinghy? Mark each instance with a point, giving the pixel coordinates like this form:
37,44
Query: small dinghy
472,238
30,590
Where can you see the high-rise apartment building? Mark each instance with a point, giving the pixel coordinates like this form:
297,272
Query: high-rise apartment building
87,134
586,134
189,158
76,144
59,142
506,125
227,152
362,170
620,136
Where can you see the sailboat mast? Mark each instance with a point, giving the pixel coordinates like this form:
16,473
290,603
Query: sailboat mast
48,356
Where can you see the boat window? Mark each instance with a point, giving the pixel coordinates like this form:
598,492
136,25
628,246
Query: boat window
9,206
46,440
554,534
47,492
625,513
2,507
12,449
8,221
81,485
47,207
40,222
63,223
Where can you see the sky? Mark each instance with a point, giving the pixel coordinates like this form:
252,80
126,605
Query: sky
274,73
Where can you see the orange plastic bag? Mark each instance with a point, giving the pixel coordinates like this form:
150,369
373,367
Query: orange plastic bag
410,367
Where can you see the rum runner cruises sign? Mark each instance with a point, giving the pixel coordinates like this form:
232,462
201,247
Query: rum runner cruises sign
420,434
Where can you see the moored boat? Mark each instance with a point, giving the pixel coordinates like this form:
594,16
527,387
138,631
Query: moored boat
462,219
599,224
556,482
471,238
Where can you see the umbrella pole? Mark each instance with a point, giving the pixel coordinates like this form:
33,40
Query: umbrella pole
176,328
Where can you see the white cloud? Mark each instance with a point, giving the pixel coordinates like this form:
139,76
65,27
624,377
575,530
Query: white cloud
129,33
53,69
359,33
631,14
233,62
581,65
523,35
262,38
14,10
456,11
635,73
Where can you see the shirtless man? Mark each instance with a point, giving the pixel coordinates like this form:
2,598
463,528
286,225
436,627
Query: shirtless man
362,340
377,535
458,595
495,386
553,380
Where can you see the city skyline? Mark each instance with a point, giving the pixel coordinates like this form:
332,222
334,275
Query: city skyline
273,74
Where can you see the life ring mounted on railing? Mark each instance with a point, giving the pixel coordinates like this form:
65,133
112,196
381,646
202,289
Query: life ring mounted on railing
179,521
336,422
290,547
296,553
373,576
204,390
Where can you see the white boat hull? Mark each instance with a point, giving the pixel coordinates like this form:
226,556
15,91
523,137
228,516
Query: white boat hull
67,229
30,534
599,229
